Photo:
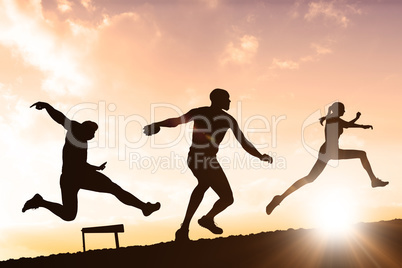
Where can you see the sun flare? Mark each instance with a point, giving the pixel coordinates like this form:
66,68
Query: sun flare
335,214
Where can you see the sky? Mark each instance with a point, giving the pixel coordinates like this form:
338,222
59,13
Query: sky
125,64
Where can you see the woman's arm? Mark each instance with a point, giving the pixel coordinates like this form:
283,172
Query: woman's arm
352,124
360,126
358,114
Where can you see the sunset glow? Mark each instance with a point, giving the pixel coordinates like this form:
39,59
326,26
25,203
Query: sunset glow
335,214
125,64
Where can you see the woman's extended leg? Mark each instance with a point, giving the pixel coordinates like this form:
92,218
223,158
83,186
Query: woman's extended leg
314,173
350,154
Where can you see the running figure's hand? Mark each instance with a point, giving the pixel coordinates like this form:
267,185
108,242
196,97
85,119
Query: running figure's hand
266,158
367,126
151,129
40,105
102,167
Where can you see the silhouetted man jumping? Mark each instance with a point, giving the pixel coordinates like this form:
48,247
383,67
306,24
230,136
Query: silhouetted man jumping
78,174
210,126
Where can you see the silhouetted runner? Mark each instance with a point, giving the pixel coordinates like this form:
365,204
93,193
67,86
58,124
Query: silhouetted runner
210,126
330,150
78,174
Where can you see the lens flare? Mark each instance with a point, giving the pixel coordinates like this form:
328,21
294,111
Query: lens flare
335,213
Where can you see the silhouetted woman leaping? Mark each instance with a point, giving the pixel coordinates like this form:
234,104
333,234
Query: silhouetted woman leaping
330,150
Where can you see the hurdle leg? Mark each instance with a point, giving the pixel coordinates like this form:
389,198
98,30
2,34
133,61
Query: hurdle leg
116,237
83,240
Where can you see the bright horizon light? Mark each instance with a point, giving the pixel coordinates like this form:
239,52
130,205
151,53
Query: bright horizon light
335,214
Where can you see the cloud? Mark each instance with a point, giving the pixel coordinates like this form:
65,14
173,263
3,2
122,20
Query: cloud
329,11
64,5
294,65
211,3
243,52
284,64
46,46
88,5
294,10
320,49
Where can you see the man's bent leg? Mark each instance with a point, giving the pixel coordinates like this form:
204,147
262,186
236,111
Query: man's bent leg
67,211
98,182
195,201
220,184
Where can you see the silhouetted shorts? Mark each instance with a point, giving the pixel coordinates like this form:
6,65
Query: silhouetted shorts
89,180
199,161
325,154
209,172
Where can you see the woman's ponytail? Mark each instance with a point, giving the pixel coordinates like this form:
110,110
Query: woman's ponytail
333,111
330,111
322,119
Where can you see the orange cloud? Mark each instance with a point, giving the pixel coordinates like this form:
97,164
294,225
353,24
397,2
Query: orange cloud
38,43
329,11
64,5
284,64
242,53
294,65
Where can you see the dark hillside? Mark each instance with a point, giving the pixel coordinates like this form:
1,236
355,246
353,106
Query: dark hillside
369,245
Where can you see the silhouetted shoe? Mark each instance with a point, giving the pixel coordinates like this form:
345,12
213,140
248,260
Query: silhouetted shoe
378,183
33,203
182,235
150,208
210,225
274,203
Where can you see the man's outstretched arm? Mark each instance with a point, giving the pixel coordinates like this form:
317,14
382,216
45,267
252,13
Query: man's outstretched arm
56,115
247,145
171,122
